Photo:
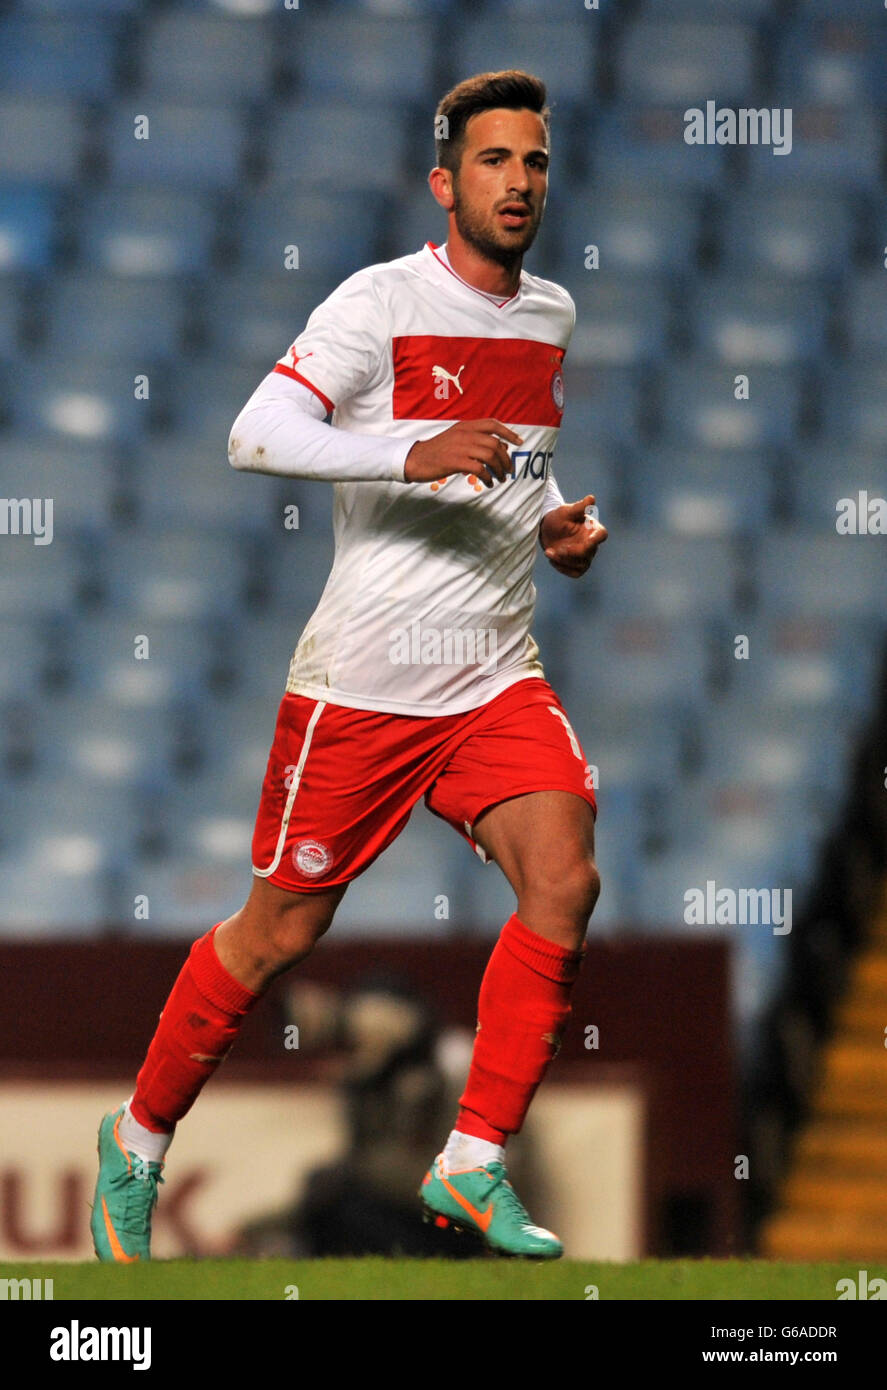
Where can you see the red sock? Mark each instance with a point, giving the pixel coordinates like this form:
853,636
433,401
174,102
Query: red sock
198,1025
522,1011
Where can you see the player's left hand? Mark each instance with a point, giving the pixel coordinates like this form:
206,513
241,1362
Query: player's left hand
570,538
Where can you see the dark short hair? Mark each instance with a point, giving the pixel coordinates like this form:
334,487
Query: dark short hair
512,89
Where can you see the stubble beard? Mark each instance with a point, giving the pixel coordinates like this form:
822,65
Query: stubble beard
481,236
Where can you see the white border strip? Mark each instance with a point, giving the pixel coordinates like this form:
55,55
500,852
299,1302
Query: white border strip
319,708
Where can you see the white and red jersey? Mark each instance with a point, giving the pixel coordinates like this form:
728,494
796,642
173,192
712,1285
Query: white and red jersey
428,606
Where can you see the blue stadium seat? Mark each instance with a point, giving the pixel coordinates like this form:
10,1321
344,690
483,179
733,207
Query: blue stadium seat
147,231
585,465
207,397
10,314
561,51
798,827
181,657
618,854
699,406
748,321
249,9
822,666
418,219
387,8
866,313
634,228
183,894
644,662
210,818
43,139
252,316
298,568
645,143
266,642
187,480
819,575
837,146
24,655
89,9
557,10
703,492
57,57
79,398
236,732
666,576
206,401
38,580
336,233
854,401
400,891
207,57
106,814
736,854
801,232
365,57
824,474
676,61
137,320
707,10
72,897
838,61
79,477
631,753
847,9
621,321
176,574
775,748
337,147
604,403
666,879
189,147
27,227
183,481
104,740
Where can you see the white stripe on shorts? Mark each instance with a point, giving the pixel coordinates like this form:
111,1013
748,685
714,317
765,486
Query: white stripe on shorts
290,801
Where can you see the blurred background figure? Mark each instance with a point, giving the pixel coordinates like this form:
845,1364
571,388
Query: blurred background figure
399,1082
180,184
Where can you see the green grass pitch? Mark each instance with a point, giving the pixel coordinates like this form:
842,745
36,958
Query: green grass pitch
474,1280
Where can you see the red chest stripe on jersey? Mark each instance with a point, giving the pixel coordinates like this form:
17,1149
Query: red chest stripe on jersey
508,379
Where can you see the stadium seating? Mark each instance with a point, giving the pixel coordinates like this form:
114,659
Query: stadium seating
171,257
173,58
49,138
136,230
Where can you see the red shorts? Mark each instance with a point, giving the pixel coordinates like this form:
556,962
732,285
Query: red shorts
341,782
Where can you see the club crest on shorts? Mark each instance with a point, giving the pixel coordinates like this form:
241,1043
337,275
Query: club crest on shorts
312,858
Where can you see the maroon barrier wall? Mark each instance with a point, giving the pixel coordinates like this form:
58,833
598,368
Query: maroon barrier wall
661,1007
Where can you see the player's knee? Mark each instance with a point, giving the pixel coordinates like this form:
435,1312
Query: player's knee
575,889
565,889
293,933
586,886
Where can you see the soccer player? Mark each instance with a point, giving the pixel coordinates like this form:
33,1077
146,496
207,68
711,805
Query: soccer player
416,676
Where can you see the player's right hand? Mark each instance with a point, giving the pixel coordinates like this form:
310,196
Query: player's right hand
475,447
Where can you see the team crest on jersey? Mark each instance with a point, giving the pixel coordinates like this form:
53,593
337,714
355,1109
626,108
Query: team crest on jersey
312,858
557,388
